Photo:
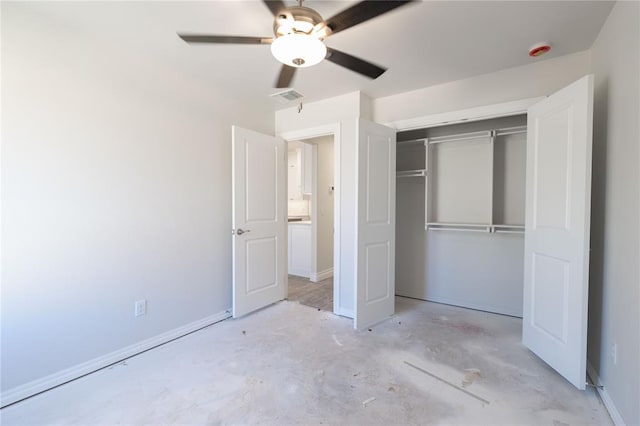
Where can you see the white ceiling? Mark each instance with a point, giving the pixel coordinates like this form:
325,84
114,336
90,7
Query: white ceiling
422,44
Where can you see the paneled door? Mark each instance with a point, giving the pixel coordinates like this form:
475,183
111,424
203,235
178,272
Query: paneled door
558,198
376,221
259,220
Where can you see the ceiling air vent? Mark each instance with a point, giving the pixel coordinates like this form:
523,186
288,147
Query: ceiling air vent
287,96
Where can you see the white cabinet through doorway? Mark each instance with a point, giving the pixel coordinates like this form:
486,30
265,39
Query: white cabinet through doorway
300,249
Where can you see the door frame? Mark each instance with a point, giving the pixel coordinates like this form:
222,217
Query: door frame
475,114
312,133
485,112
480,113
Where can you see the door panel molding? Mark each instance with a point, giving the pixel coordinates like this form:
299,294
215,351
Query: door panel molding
259,202
557,220
375,239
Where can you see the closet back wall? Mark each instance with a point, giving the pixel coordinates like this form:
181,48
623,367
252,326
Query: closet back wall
478,182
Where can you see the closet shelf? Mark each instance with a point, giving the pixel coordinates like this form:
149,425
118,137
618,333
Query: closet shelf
477,135
461,137
411,173
475,227
468,227
511,131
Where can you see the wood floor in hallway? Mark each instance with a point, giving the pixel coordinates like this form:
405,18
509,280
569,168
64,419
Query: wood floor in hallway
317,295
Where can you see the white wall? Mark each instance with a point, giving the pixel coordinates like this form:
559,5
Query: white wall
540,78
116,186
614,299
343,111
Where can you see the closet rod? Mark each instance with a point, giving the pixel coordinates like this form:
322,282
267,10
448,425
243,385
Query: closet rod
459,226
411,173
485,230
412,141
466,225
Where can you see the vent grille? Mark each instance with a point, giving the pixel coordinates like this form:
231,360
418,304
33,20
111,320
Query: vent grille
287,96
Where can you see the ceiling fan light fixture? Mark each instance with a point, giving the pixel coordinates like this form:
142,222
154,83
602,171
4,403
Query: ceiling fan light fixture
298,50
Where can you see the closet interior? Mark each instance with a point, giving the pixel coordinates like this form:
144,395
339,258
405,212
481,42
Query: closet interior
460,214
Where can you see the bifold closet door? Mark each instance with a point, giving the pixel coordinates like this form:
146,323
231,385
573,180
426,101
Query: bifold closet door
376,216
557,223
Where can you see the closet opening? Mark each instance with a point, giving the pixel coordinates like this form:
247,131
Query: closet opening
460,211
311,222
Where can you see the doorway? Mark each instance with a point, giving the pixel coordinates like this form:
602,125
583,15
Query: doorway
311,206
556,219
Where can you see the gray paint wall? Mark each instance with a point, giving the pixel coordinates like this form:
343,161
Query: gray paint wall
614,299
121,191
325,203
428,263
116,186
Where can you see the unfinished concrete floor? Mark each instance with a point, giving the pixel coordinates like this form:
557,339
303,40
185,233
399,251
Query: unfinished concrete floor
292,364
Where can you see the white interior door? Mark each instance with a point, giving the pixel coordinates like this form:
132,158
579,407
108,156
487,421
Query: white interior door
557,229
259,220
376,207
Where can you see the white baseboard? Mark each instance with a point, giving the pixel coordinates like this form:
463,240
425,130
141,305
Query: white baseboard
344,312
299,273
502,310
40,385
606,398
322,275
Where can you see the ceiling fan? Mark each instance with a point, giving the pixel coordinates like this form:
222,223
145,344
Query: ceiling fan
299,34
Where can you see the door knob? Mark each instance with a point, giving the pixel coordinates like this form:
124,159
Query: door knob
241,231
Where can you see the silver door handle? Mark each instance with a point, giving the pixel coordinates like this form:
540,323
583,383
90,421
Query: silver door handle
241,231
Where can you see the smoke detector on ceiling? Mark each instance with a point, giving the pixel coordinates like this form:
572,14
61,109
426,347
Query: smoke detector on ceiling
539,49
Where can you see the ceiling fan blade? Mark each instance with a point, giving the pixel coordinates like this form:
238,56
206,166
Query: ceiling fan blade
361,12
199,38
275,6
354,64
285,77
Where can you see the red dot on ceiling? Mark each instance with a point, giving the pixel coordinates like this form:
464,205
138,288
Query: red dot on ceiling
539,49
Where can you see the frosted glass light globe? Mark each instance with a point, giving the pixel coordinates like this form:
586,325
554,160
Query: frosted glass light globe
298,50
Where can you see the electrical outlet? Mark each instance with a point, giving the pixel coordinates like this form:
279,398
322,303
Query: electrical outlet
140,307
614,353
